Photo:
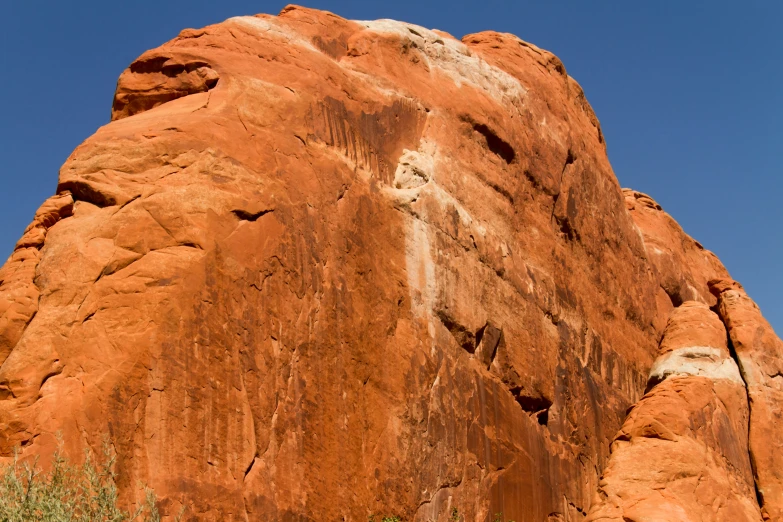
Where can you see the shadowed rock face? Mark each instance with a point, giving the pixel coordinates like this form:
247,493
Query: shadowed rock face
316,269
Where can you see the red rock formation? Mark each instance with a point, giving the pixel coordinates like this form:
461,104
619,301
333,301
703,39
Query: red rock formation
759,353
682,265
19,298
682,452
316,269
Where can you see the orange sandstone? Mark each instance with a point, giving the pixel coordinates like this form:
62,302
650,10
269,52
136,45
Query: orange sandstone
316,269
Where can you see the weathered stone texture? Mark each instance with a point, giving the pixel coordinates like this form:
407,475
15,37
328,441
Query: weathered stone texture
315,269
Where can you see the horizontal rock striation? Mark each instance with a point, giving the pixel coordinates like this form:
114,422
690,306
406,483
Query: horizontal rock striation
319,269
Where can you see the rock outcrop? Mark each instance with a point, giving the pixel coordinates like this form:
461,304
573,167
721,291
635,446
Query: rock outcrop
682,452
318,269
759,353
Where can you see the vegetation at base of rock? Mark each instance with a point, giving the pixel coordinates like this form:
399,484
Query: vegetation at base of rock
67,493
388,518
455,517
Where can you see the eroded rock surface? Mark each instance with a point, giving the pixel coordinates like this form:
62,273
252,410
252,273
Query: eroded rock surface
316,269
759,352
682,452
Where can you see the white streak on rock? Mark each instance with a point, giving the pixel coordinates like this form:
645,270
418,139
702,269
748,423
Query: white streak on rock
273,31
420,267
703,361
455,59
414,169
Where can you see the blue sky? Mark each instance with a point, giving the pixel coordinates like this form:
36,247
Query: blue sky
688,93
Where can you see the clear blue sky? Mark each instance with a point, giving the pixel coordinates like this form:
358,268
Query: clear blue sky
688,92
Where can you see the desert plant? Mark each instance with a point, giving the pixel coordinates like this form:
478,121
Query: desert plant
67,493
387,518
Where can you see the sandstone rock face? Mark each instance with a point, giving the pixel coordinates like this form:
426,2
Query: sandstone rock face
682,452
759,353
681,264
317,269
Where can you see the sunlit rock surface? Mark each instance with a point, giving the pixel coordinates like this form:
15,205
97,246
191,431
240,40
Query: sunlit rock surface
317,269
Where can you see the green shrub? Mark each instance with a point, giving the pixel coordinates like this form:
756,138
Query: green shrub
388,518
67,493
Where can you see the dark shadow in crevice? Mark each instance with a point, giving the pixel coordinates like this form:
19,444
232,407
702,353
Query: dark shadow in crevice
495,143
537,407
462,335
83,191
244,215
675,296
